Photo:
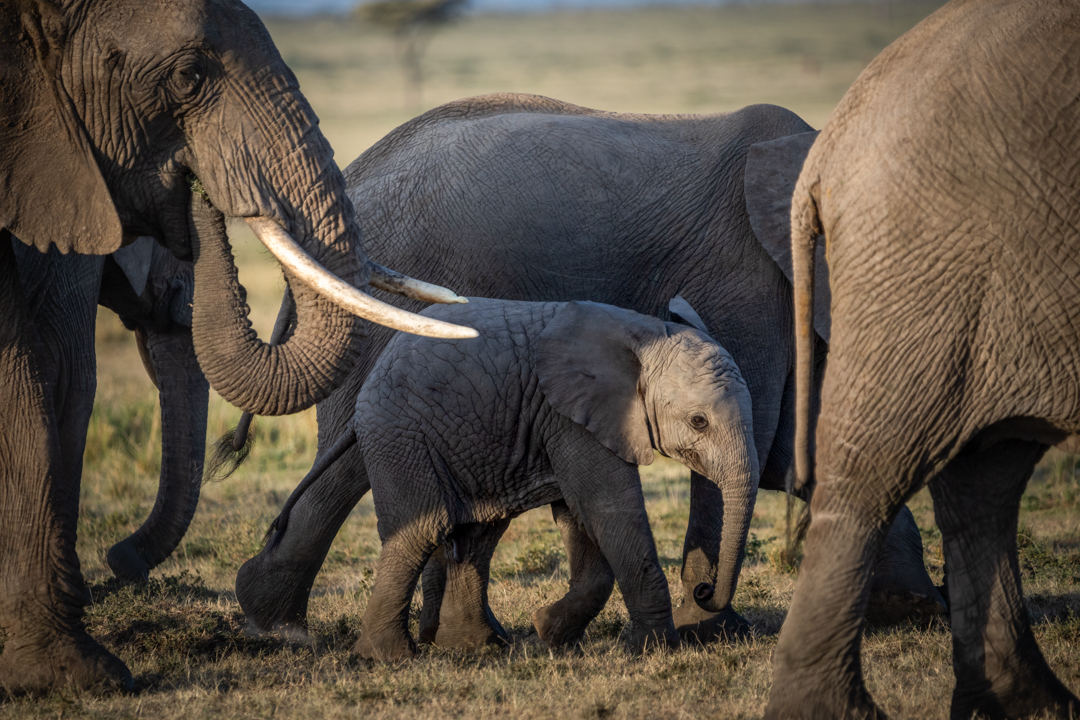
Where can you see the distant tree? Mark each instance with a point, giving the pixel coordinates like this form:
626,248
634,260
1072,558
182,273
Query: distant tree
412,23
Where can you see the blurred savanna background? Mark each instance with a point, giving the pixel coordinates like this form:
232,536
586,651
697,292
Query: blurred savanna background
183,634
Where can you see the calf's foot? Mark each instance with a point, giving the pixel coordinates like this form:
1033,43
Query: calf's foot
644,638
384,647
695,624
561,624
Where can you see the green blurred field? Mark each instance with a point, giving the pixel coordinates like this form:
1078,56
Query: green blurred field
183,634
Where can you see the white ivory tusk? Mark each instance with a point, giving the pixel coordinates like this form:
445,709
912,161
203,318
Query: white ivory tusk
293,257
394,282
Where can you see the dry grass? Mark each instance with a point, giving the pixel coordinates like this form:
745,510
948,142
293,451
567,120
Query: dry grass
183,634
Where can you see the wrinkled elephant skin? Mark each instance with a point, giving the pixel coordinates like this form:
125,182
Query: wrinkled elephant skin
554,401
527,198
129,119
945,187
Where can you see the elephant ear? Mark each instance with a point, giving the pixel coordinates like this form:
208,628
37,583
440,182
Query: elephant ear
589,371
772,169
683,312
134,260
51,189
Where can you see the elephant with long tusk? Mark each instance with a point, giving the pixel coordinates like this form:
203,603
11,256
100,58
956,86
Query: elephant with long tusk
125,119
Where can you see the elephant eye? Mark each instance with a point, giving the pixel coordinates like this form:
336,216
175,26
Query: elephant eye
187,76
699,422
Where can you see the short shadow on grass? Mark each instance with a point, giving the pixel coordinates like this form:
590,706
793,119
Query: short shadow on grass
1062,609
174,623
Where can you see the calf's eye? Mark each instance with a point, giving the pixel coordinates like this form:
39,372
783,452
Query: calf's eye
699,422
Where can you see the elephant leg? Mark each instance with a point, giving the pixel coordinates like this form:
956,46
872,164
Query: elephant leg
273,587
183,394
42,593
901,588
817,671
1000,671
384,631
433,584
564,622
604,492
464,616
701,549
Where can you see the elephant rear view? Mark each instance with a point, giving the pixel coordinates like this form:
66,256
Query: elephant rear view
554,401
945,185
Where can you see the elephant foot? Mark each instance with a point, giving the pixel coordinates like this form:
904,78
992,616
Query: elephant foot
901,589
384,647
429,629
126,563
701,626
469,632
471,638
72,661
559,625
1030,690
273,601
888,607
813,706
643,639
1041,702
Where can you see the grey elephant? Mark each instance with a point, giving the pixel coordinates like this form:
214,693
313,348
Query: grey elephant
151,291
553,402
125,119
527,198
946,188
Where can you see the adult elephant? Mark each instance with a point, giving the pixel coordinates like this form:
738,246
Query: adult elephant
946,187
527,198
113,111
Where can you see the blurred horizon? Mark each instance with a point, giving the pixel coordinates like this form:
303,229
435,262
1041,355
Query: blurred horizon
305,8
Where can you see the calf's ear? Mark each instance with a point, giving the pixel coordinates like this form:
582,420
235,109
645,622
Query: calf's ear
683,312
589,366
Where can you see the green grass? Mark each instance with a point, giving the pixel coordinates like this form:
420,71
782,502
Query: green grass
183,634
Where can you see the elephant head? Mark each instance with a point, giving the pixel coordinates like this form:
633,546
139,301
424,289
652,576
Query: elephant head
130,119
640,385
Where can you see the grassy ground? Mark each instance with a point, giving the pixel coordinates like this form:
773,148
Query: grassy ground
183,634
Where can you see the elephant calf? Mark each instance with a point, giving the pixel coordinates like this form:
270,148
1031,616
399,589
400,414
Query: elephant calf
554,401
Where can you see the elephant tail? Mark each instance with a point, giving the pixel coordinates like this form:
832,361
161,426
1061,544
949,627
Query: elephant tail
229,452
280,524
805,229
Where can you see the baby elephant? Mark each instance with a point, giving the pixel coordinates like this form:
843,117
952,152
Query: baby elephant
553,401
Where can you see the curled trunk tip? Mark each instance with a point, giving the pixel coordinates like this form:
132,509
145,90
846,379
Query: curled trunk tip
703,593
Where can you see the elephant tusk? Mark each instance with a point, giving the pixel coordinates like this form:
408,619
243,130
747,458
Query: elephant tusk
394,282
293,257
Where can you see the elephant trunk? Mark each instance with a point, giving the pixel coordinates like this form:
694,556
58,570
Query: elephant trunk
257,377
721,510
184,394
282,179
